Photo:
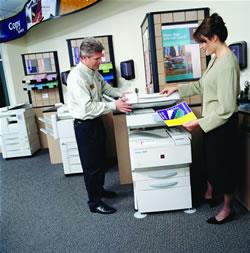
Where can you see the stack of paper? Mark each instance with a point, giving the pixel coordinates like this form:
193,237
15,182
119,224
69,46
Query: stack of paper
134,98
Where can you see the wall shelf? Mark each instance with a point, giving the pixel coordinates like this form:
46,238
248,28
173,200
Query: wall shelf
43,81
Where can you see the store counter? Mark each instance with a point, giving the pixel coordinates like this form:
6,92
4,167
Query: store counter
244,127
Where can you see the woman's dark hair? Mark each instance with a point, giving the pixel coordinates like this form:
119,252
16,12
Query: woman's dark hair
210,26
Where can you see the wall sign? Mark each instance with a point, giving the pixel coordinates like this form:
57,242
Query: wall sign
37,11
14,27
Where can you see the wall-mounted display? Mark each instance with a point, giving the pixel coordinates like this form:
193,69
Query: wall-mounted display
127,69
37,11
240,51
181,54
170,54
107,67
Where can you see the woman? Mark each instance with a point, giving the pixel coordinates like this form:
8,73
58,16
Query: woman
219,87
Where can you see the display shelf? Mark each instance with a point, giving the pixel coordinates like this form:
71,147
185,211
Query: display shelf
40,86
42,78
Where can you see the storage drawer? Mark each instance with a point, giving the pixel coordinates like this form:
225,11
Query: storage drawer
73,152
164,199
72,145
17,153
69,149
162,183
160,173
16,141
17,147
70,142
71,169
14,136
74,159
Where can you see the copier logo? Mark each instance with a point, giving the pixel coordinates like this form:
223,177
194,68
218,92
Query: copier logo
13,27
16,26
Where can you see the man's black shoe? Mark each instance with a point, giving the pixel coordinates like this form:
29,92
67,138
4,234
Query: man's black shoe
108,194
103,209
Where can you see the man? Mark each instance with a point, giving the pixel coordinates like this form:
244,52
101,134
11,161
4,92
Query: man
85,89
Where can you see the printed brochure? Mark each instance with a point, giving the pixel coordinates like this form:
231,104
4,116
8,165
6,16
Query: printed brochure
177,115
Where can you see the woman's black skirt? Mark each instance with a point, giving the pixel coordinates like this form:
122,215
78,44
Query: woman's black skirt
221,156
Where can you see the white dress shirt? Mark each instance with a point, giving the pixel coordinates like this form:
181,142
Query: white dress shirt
85,89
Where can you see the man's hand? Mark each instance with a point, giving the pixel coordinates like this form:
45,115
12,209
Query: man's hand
168,91
126,93
122,105
191,125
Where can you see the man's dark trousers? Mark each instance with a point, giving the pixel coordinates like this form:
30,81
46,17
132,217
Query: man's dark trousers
90,138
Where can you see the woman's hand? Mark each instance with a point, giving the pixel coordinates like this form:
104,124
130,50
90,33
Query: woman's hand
168,91
191,125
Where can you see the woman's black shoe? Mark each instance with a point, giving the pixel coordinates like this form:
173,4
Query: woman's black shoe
229,218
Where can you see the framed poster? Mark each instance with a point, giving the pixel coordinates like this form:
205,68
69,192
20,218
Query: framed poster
182,60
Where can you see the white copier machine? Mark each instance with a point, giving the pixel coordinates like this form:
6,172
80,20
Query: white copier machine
18,131
160,158
60,127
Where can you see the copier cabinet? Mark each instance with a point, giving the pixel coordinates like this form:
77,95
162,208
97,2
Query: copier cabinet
18,132
162,188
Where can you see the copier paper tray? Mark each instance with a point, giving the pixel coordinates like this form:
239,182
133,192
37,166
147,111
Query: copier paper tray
157,133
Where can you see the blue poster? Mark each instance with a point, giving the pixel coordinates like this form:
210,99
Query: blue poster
181,53
14,27
176,37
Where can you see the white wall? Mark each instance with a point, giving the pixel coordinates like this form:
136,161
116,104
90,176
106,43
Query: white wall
122,20
13,69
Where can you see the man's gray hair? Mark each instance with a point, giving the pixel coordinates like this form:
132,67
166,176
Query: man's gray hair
89,46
